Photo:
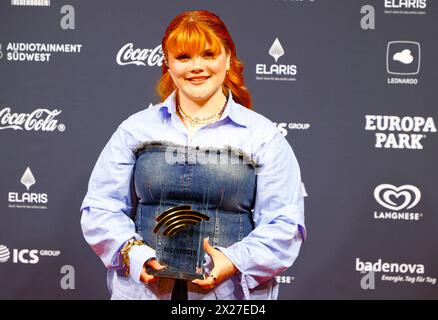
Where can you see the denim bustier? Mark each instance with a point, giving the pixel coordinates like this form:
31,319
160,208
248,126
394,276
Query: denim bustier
219,182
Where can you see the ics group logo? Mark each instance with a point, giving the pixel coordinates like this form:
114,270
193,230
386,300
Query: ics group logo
26,256
140,57
403,59
285,127
27,200
5,254
394,132
276,71
398,201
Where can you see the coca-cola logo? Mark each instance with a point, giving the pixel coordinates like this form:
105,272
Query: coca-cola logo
37,120
140,57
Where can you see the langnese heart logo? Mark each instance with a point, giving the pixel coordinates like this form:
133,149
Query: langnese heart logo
397,198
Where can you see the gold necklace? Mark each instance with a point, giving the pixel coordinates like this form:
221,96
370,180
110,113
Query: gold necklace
205,120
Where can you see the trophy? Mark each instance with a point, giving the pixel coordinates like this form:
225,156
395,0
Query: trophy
180,235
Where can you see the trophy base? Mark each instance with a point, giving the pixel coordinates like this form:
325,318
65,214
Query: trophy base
170,272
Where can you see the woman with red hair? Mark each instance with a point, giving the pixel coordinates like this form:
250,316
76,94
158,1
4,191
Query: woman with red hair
201,153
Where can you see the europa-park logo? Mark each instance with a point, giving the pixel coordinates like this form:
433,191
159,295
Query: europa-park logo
395,132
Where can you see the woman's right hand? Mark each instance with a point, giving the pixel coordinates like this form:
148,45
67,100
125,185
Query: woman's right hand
147,278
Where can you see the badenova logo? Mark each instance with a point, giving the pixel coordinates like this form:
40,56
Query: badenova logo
403,60
380,266
27,200
38,120
398,201
408,7
408,273
394,132
140,57
275,71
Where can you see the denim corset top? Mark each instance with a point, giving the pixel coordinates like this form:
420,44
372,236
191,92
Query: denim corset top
218,182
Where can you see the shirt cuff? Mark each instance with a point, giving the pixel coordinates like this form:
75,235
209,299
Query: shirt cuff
138,255
250,282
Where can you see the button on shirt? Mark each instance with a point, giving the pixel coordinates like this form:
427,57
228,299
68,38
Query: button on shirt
278,214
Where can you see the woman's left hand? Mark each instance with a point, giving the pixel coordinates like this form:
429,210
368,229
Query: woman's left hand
223,268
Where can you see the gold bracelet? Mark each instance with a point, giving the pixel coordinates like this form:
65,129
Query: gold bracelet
125,250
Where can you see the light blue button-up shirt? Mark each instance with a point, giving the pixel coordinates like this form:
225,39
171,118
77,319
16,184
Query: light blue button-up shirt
278,214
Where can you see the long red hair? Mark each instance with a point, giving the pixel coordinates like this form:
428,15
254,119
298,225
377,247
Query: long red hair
190,32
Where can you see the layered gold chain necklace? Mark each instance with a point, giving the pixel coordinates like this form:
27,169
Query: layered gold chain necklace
194,121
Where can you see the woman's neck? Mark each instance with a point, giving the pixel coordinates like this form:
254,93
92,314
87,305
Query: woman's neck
202,108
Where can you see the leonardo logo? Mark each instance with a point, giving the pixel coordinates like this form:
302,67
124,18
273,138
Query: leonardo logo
403,59
396,199
5,254
281,72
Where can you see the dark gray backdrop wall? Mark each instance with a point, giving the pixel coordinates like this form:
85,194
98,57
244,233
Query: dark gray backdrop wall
351,84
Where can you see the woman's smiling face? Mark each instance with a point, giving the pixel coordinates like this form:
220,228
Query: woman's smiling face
199,76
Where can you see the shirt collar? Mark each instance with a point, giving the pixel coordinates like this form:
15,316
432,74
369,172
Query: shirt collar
232,110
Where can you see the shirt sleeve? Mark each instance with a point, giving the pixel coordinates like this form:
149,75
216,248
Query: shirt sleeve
278,215
107,207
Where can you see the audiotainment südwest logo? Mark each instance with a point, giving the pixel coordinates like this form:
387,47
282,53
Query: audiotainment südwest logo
403,59
394,132
398,201
276,71
140,57
27,200
39,52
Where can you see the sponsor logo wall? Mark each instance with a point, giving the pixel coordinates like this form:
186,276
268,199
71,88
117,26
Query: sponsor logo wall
351,86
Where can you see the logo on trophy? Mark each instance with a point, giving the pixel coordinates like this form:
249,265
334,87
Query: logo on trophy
180,248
